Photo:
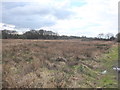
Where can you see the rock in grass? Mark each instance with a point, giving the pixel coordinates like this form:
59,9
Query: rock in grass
104,72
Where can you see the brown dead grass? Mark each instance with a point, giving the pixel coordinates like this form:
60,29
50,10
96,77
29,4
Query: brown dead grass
33,64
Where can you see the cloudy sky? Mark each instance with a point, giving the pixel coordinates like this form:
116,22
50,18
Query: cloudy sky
66,17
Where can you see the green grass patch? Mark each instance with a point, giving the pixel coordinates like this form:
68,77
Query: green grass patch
108,61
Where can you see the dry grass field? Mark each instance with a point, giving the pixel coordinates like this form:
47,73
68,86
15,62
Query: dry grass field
58,63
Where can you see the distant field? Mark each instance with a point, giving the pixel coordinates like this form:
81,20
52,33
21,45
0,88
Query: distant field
58,63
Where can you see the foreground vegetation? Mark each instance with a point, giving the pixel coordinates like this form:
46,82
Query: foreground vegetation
59,63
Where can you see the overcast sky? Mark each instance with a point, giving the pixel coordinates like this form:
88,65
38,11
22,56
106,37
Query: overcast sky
66,17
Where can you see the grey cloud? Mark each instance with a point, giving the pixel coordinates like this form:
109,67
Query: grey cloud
9,5
62,14
31,21
33,15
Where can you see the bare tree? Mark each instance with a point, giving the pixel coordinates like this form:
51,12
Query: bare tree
109,35
101,35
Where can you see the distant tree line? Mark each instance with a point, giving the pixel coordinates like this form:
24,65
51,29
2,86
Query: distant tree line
43,34
106,37
34,34
109,37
